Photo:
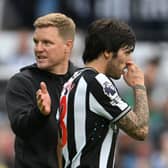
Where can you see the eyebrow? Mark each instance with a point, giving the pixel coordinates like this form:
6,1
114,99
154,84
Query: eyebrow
128,48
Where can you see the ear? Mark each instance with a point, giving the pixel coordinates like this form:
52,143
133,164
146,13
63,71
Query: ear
107,54
68,47
69,44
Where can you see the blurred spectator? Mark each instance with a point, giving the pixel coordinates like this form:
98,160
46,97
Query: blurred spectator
6,145
159,157
23,54
133,154
125,157
142,154
151,72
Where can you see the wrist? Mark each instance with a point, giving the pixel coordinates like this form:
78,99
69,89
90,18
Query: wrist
139,86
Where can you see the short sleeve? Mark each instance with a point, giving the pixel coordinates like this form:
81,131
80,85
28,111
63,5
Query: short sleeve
104,99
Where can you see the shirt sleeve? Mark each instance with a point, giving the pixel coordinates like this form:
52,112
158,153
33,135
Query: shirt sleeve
104,99
24,116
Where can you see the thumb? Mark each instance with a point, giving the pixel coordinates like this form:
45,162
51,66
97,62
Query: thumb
125,75
43,87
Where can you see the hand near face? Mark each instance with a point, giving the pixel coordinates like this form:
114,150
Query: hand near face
134,75
43,99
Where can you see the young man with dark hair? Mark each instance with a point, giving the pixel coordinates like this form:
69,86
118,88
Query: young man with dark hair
91,108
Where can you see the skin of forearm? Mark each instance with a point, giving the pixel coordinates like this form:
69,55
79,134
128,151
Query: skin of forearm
141,109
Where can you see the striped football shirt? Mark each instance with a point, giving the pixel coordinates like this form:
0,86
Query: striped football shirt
90,106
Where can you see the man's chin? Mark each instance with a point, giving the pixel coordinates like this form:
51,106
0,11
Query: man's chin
41,66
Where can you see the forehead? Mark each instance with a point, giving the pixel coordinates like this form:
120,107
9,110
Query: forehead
49,31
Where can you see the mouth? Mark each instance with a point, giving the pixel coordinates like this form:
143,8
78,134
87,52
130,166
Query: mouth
40,57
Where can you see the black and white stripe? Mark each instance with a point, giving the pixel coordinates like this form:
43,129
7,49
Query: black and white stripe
93,107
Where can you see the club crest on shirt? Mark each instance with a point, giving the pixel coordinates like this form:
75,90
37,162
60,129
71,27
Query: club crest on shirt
108,89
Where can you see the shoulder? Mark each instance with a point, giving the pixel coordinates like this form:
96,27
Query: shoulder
22,75
24,78
19,80
102,85
89,73
98,78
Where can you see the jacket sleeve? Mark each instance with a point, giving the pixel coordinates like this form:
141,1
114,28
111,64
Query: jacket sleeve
24,115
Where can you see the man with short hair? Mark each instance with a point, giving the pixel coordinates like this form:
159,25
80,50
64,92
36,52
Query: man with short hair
34,125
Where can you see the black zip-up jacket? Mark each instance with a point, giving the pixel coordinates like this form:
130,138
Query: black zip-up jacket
36,135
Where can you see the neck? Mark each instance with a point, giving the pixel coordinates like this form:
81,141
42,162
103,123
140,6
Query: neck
97,65
60,69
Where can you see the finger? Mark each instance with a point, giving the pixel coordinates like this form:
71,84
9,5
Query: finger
129,62
43,87
41,105
132,67
125,74
38,94
43,108
39,98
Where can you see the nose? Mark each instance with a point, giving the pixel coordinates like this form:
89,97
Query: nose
129,58
38,47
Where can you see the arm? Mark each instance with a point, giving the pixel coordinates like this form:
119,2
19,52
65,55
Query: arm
135,123
24,115
44,105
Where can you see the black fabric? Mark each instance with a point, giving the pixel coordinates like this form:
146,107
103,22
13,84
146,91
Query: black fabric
36,135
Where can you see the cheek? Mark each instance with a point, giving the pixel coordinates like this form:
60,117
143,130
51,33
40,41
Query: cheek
57,51
122,62
56,55
122,58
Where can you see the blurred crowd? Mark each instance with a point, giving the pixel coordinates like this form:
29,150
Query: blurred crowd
149,20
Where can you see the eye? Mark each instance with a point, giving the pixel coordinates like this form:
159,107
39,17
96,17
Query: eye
35,41
127,53
46,42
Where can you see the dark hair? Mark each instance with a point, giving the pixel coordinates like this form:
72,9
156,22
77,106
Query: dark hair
107,35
